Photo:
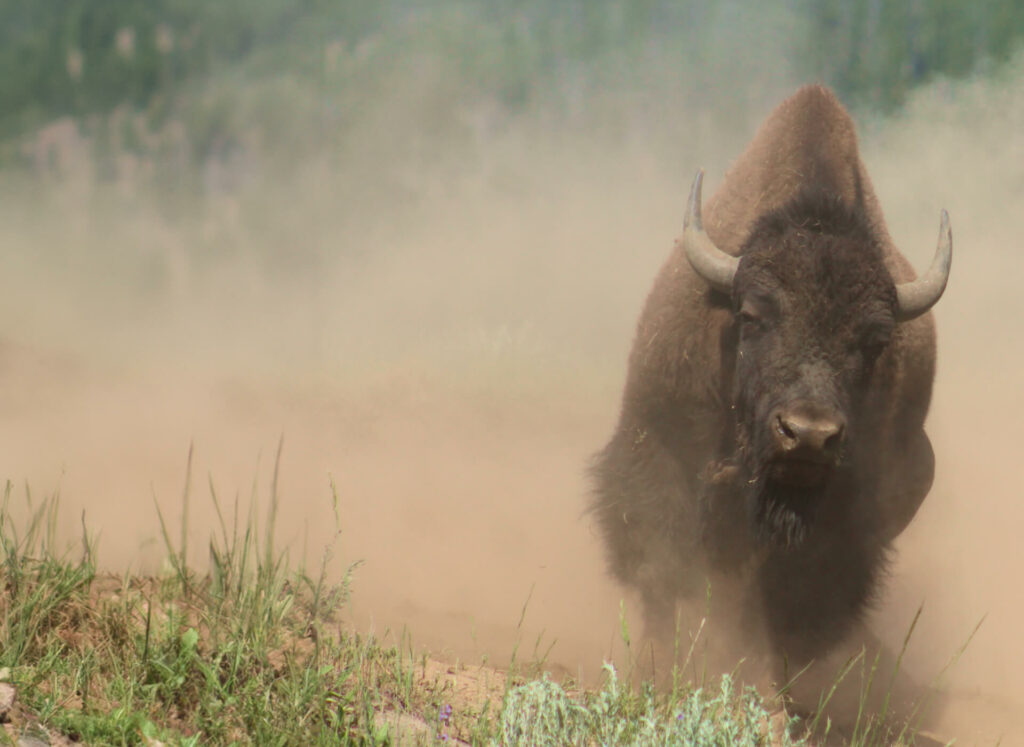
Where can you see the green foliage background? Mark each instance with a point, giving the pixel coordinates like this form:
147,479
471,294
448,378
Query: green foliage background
870,50
303,72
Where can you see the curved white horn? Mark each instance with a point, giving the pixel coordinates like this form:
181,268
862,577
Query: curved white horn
917,296
710,262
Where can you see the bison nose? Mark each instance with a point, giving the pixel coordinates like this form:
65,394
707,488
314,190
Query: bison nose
807,429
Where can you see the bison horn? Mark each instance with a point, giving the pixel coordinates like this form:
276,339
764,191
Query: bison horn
916,297
710,262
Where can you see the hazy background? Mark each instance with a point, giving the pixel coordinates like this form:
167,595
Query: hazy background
413,240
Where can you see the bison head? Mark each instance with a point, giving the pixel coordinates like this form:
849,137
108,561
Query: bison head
814,312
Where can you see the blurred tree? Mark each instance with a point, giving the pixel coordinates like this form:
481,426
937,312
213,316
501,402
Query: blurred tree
87,58
875,51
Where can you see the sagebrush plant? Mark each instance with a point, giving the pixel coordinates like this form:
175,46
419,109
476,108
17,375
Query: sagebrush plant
542,713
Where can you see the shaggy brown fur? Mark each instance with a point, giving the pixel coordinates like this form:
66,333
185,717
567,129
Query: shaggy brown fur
683,490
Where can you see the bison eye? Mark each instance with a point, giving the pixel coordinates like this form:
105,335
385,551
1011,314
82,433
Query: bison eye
750,323
873,344
873,349
754,316
871,352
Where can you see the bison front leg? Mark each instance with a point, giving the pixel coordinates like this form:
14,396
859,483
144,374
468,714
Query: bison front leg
666,577
866,680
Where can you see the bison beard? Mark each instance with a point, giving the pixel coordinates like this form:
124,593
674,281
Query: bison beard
782,512
771,432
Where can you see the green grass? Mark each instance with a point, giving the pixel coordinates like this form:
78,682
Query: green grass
255,652
249,653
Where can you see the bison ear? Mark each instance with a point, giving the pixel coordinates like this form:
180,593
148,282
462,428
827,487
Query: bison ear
916,297
707,260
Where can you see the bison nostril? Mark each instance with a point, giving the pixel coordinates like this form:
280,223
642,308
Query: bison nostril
833,441
785,429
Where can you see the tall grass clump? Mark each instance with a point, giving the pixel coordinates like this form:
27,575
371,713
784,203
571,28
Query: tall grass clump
252,651
43,588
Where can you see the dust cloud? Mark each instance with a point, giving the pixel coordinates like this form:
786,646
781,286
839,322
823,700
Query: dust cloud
448,346
961,146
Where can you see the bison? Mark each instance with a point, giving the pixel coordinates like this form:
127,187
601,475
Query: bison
771,435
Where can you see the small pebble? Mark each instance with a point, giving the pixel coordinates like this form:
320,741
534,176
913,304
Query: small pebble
7,697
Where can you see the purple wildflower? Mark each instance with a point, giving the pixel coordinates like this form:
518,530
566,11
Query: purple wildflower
445,717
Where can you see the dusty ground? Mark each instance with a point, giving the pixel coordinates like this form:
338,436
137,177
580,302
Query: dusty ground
454,386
